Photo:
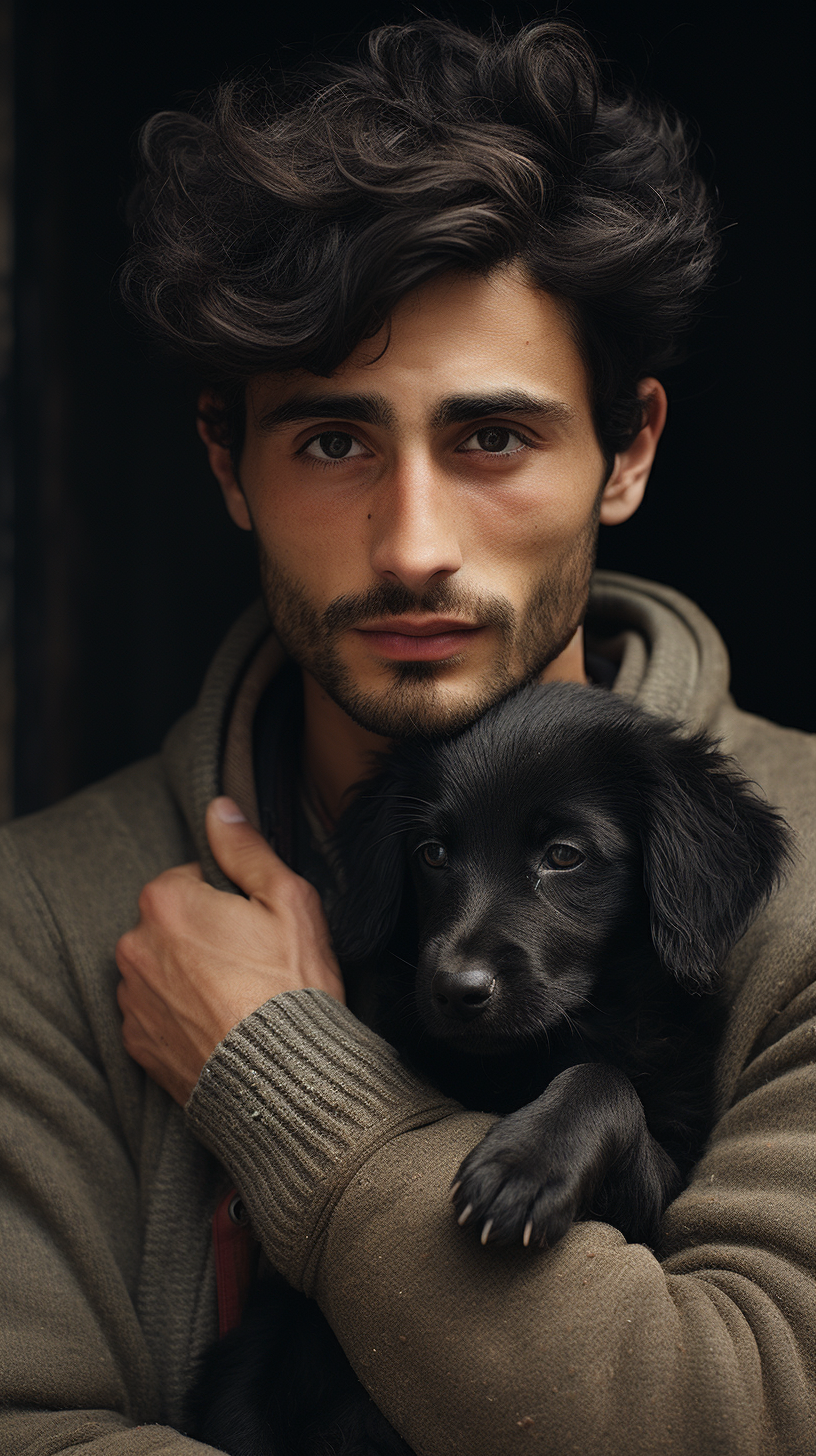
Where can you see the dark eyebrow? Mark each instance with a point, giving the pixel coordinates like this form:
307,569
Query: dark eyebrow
374,409
365,409
459,409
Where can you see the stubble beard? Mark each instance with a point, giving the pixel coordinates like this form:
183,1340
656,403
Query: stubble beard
413,700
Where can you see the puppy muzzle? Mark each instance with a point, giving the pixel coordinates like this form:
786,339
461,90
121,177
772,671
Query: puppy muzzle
462,995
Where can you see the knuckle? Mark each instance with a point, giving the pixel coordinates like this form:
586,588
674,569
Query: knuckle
150,899
309,897
161,896
297,894
129,953
123,952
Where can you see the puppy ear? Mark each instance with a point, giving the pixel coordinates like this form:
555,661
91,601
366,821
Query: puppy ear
369,845
713,852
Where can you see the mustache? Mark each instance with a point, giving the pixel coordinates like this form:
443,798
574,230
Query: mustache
393,599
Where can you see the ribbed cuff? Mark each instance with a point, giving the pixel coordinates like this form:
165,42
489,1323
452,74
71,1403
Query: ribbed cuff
293,1101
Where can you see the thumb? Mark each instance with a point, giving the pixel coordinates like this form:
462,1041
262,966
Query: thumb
241,852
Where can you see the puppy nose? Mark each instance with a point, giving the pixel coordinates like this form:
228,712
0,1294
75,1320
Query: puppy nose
463,994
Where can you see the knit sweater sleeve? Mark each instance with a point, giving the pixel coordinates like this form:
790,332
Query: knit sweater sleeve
344,1160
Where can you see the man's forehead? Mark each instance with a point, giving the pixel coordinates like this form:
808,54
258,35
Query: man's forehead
456,348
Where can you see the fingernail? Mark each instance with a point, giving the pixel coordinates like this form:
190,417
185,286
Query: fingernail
228,812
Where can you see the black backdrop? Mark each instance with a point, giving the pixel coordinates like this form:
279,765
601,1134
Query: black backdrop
128,570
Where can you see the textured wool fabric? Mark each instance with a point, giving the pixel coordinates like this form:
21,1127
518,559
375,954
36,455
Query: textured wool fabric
344,1158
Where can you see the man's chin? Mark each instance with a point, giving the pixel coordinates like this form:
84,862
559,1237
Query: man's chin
416,704
432,699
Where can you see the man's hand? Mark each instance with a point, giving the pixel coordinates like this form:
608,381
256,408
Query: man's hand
200,959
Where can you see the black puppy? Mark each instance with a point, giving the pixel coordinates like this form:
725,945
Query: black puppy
544,903
580,871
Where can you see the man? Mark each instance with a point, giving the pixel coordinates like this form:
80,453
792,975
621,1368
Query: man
430,293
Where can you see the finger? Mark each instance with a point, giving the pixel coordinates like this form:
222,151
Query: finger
126,953
122,955
191,871
242,853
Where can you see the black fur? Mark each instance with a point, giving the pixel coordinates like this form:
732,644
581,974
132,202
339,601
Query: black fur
568,988
280,1385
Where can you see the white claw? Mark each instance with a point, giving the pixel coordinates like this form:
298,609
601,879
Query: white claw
528,1229
455,1189
465,1214
486,1230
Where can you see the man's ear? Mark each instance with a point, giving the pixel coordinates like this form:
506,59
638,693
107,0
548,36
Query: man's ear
220,459
624,489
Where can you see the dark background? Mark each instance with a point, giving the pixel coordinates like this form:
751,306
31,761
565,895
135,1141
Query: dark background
128,570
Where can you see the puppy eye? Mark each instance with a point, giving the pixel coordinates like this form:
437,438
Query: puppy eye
434,854
563,857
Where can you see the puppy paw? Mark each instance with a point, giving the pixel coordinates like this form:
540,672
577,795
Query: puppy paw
511,1197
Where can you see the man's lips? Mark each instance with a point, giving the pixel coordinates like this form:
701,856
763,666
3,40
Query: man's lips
427,639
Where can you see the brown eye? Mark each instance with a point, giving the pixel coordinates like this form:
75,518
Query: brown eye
434,854
563,856
493,439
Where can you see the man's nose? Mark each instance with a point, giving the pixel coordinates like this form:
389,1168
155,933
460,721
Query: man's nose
414,535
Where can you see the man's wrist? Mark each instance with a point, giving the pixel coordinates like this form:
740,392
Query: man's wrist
293,1102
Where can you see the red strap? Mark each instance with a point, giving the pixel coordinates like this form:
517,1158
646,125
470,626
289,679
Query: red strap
235,1248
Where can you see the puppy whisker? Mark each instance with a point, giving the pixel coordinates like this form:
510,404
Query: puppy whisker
412,966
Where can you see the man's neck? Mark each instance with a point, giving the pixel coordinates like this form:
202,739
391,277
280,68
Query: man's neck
338,753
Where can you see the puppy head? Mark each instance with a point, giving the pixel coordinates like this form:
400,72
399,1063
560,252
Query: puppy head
537,841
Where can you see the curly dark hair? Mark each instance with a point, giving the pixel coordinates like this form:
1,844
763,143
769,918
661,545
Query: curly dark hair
275,227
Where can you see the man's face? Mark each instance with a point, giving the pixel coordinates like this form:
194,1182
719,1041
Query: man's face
426,518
